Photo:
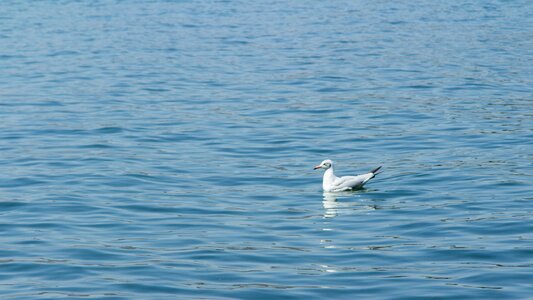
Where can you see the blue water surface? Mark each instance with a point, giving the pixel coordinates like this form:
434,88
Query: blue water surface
156,149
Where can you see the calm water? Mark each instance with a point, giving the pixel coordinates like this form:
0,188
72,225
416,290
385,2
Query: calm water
164,149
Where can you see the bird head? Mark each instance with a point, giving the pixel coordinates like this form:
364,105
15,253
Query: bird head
326,164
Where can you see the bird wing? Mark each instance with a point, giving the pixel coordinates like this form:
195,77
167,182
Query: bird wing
350,182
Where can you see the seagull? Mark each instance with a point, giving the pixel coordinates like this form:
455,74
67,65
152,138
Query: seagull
332,183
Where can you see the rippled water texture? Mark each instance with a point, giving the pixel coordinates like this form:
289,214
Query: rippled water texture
164,149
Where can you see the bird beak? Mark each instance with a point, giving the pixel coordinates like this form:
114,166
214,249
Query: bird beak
317,167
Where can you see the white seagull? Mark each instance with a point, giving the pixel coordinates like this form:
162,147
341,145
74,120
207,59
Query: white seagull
332,183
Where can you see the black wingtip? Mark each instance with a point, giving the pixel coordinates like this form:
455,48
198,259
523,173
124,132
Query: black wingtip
375,170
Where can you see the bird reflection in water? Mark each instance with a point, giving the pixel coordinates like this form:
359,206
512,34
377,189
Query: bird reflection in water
333,207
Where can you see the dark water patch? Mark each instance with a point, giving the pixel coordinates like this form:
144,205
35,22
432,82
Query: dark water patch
11,205
19,182
27,103
108,130
152,289
88,254
96,146
63,53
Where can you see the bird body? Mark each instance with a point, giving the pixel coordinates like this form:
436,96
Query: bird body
332,183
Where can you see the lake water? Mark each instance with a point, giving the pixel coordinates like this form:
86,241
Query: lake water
164,149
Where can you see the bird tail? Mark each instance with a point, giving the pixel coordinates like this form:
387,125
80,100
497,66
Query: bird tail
375,171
